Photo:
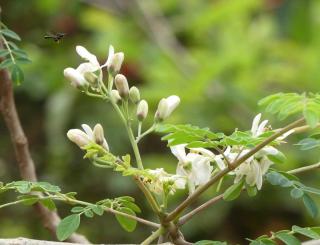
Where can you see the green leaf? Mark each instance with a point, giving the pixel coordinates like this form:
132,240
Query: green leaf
10,34
23,60
28,200
296,193
88,213
6,63
310,205
287,238
278,158
308,144
126,223
24,187
20,53
311,116
97,210
48,203
4,53
251,190
308,232
67,226
17,75
134,207
233,191
47,187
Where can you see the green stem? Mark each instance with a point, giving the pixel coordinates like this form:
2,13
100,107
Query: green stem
135,148
304,169
153,236
9,49
150,130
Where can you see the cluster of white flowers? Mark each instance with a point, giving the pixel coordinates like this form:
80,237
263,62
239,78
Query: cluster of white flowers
195,167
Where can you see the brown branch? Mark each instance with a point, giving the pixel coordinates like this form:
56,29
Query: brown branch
205,205
26,165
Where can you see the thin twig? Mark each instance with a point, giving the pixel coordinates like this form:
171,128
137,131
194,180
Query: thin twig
50,219
205,205
153,236
304,169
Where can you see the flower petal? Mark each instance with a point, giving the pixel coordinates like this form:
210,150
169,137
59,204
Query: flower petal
85,54
88,131
255,124
179,152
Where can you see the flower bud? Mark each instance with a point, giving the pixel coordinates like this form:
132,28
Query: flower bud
122,86
98,135
78,137
166,107
115,96
116,62
162,110
134,94
142,110
77,80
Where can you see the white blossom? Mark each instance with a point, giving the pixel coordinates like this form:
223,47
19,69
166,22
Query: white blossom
87,136
195,167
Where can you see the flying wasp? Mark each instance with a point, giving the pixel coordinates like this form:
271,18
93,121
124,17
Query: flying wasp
57,37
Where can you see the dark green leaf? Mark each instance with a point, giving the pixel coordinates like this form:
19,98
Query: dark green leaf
233,191
10,34
126,223
6,63
134,207
4,52
67,226
20,53
308,143
310,190
310,205
17,75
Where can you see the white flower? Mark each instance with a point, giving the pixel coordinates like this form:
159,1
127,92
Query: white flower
162,180
166,107
83,138
114,60
84,74
194,166
257,129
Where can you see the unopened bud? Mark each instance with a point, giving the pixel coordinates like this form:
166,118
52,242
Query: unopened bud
162,110
142,110
115,96
98,135
77,80
166,107
122,86
116,62
78,137
134,94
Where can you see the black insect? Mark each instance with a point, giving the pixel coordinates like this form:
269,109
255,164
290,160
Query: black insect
57,37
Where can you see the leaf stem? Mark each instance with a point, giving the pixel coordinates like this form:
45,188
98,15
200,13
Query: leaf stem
150,130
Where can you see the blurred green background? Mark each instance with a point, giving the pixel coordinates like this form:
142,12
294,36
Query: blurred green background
219,56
